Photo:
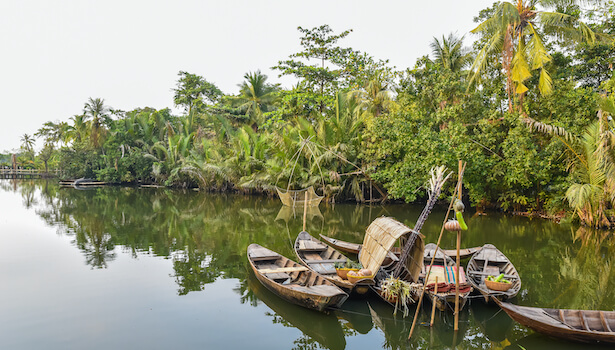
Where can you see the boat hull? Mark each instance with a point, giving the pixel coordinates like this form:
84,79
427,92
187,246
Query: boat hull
315,292
542,321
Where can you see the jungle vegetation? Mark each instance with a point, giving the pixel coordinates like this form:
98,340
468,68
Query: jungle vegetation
529,105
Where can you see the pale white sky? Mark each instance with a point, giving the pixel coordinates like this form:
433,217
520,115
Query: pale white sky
56,54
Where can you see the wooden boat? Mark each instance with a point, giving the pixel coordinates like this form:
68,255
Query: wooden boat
321,259
489,261
293,282
355,248
293,198
588,326
444,267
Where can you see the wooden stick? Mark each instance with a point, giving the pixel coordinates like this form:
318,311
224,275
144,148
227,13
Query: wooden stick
433,307
305,209
459,189
418,306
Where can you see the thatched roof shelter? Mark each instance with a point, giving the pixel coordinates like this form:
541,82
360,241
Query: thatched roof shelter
381,236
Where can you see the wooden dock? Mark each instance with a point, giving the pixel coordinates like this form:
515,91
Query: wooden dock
10,173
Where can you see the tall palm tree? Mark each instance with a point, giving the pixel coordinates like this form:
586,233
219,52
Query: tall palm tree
515,30
27,143
97,116
256,97
375,97
450,52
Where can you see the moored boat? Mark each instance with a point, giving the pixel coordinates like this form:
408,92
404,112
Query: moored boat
355,248
490,261
352,248
292,281
588,326
322,258
444,269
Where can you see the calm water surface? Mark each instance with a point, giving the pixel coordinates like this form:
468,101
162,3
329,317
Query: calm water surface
126,268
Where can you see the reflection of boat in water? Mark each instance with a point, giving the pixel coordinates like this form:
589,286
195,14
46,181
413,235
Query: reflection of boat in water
494,323
293,282
357,315
287,213
539,341
322,328
588,326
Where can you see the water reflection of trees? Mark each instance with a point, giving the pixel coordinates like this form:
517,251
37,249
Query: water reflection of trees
206,235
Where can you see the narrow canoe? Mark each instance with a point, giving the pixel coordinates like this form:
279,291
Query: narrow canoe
355,248
444,299
344,246
588,326
321,259
489,261
293,282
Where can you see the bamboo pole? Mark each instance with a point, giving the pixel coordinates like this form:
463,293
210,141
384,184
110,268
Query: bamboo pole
459,189
433,306
305,203
418,306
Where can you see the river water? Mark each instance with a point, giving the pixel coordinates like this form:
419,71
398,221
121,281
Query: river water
127,268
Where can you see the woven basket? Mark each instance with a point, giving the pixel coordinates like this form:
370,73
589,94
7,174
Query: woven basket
343,272
499,286
355,279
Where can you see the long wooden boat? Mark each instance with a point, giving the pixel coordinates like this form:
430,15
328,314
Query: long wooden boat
293,282
321,258
489,261
444,267
355,248
588,326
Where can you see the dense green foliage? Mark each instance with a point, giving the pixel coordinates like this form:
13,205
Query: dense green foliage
358,129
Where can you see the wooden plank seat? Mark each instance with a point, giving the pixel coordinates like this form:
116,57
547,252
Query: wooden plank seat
326,290
508,277
319,261
284,269
312,246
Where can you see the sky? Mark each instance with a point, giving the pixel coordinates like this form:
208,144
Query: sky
56,54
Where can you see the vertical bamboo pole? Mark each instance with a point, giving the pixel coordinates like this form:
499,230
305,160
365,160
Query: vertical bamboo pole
433,306
459,184
418,305
305,203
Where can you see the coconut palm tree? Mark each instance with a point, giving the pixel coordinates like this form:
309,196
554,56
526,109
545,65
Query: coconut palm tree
255,98
27,143
516,32
450,53
96,114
